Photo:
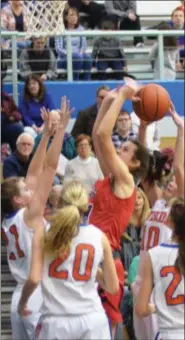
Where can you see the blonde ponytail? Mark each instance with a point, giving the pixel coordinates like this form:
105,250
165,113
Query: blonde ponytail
64,225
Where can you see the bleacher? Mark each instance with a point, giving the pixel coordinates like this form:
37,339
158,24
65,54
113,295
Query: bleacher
137,58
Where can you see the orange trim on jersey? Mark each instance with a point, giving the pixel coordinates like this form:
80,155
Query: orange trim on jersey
177,277
89,264
20,253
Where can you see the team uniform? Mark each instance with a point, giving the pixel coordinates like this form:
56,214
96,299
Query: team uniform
112,214
168,291
72,308
154,233
19,246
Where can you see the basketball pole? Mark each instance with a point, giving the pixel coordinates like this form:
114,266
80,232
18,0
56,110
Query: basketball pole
14,68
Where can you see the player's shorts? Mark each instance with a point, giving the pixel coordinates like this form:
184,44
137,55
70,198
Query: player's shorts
24,327
112,303
91,326
177,334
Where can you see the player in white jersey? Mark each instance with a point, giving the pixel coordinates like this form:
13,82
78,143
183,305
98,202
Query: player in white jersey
156,229
68,263
23,203
165,269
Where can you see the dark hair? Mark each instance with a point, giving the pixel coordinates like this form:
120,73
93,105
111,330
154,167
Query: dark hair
177,9
106,88
156,169
9,189
169,41
81,137
107,24
65,13
42,90
177,215
142,155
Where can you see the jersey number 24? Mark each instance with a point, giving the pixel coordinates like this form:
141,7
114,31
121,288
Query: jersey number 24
77,275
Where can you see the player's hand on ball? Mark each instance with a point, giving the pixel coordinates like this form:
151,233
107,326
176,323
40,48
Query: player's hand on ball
131,89
176,118
23,311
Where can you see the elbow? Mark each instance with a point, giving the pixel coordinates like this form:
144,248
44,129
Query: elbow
141,311
34,281
114,288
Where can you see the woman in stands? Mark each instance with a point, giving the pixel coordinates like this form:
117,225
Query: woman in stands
114,197
23,203
34,98
67,260
156,229
164,269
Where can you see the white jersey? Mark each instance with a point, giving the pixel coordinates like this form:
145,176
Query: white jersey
168,291
68,285
155,230
19,245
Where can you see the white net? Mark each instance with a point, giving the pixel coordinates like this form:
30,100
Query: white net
44,16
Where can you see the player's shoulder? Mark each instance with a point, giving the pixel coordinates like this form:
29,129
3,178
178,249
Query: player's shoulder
90,229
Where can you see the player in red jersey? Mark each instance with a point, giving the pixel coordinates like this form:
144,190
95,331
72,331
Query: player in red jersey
115,196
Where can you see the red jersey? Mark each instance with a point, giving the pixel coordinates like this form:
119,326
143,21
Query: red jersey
110,213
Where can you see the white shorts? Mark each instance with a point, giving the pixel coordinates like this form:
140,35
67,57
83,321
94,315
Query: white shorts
171,335
91,326
24,327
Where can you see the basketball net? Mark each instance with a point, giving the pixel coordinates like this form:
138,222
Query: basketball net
44,17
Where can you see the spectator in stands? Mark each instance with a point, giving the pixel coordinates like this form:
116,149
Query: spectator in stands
108,53
13,19
123,12
123,131
81,59
11,125
94,10
52,204
18,162
35,97
38,59
86,118
177,23
152,137
171,56
84,167
132,237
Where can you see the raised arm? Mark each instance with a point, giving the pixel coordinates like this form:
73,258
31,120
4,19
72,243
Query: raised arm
35,209
178,163
36,165
114,164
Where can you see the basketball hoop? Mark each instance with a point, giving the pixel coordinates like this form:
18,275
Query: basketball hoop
44,17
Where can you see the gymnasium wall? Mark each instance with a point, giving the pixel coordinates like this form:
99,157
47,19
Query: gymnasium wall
83,94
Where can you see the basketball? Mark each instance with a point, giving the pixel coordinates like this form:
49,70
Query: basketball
154,104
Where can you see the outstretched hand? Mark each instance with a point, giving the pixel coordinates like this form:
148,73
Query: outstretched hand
65,112
49,128
131,89
176,118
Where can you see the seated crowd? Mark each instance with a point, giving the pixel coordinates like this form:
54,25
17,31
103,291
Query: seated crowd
48,57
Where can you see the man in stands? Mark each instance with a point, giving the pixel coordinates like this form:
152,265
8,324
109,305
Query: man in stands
18,162
86,118
123,132
124,13
177,23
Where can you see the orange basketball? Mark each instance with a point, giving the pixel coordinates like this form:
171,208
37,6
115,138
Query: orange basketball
154,104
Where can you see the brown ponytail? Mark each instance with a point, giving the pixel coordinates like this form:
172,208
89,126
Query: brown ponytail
177,216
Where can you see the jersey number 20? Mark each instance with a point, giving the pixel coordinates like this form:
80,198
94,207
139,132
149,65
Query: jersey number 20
177,277
77,275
